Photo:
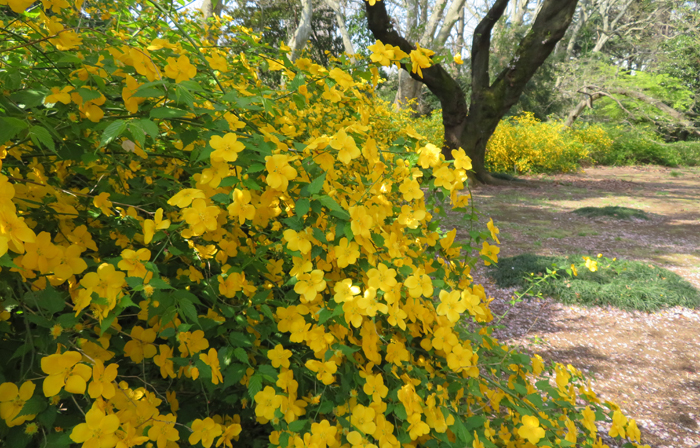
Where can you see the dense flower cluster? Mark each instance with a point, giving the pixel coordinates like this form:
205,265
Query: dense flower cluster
186,222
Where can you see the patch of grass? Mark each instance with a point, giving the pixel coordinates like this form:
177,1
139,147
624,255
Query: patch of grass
625,285
676,173
612,212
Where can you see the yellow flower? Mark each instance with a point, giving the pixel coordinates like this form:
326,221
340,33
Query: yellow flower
59,95
212,360
633,431
297,241
279,356
241,206
381,277
226,148
102,202
63,371
361,222
164,361
324,370
374,387
180,69
12,401
102,383
363,419
410,189
230,432
205,431
201,217
279,171
346,146
141,344
417,426
419,284
310,284
191,343
132,262
618,425
97,431
451,305
151,225
592,265
494,230
217,62
420,58
346,253
344,291
107,282
185,197
490,252
267,403
163,430
531,429
458,59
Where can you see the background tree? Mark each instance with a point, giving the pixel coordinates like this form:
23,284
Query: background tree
470,127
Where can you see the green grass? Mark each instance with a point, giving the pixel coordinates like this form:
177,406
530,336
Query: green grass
627,285
612,212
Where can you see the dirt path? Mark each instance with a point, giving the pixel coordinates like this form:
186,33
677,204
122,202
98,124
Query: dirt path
647,363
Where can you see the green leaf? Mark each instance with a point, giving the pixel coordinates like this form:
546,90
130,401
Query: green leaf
40,134
158,283
298,425
150,127
9,127
148,92
107,322
317,184
241,355
337,210
112,131
189,310
302,207
182,95
255,168
33,406
88,94
137,133
267,312
254,385
461,431
238,339
167,112
28,98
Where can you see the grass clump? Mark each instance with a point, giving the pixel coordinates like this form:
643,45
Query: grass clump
619,283
612,212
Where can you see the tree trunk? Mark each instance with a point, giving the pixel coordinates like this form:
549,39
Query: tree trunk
209,10
303,31
347,43
470,128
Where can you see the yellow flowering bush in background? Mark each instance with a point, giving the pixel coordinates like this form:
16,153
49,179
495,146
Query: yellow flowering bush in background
204,243
524,144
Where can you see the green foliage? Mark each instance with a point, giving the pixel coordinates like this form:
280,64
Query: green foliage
619,283
612,212
641,146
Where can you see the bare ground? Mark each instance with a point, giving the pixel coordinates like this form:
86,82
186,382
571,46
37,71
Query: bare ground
649,364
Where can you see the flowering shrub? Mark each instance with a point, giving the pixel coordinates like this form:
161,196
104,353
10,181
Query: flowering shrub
195,253
525,144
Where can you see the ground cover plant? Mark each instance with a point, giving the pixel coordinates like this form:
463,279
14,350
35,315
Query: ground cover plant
224,247
611,211
624,284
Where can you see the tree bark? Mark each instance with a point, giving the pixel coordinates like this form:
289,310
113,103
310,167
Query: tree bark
303,31
209,10
470,128
347,43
